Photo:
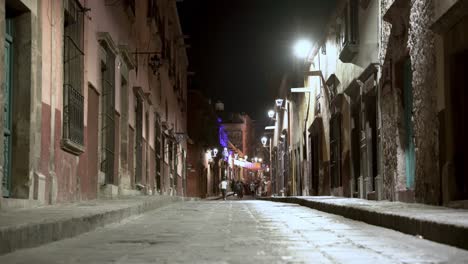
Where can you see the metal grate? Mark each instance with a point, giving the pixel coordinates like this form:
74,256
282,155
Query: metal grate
335,150
73,114
139,139
157,144
73,100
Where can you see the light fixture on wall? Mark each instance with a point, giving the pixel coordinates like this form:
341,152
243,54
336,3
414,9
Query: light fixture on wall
279,102
302,48
154,60
271,114
264,140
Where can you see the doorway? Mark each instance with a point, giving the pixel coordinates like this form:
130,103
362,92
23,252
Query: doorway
108,116
459,109
138,139
92,142
316,160
315,143
408,125
355,147
7,127
335,150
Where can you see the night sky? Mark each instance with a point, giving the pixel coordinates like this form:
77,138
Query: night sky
240,48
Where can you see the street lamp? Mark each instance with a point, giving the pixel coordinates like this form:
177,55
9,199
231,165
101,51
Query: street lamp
271,114
279,102
302,48
264,140
215,152
260,160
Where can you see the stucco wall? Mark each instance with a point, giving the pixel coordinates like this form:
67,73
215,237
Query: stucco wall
422,52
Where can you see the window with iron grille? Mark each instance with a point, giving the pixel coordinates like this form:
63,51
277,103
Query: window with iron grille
157,144
335,150
176,164
73,77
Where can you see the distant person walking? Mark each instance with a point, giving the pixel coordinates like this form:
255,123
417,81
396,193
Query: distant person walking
223,185
252,189
240,190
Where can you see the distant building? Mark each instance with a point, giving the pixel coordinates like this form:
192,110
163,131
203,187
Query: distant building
240,129
203,133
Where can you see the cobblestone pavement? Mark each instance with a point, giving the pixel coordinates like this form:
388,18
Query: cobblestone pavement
240,232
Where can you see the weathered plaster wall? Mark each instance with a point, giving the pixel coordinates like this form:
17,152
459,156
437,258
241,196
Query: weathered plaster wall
407,33
391,50
422,52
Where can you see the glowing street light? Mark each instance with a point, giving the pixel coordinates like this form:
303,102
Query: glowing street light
302,48
215,152
264,140
271,114
260,160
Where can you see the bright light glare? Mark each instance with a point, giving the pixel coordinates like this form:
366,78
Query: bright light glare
302,48
271,114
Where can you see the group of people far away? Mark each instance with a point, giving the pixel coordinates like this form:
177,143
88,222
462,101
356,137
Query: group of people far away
237,187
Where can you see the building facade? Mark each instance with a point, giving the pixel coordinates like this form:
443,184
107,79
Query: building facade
240,139
379,116
203,134
95,102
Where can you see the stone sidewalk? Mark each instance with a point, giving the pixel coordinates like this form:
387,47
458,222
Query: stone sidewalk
25,228
436,223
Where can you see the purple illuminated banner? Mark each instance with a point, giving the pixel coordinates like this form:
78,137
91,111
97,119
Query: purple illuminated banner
248,165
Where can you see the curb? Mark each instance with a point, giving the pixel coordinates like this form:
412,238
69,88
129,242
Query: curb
36,234
445,233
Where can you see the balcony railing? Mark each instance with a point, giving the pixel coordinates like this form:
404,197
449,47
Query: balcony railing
73,115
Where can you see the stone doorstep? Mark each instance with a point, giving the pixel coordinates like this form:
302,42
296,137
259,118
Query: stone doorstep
27,235
431,229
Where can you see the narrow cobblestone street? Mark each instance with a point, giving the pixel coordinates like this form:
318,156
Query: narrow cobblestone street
245,231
